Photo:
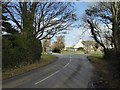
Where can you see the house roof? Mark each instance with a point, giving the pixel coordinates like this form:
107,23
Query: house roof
84,43
79,44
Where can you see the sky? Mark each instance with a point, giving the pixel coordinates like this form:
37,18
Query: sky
75,34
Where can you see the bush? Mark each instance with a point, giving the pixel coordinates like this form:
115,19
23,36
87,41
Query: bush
19,51
112,54
56,50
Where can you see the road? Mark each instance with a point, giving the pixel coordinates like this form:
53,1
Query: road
69,71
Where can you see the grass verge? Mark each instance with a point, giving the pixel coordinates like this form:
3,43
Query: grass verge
104,69
71,52
45,59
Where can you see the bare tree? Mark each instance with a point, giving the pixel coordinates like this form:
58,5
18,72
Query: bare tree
43,19
21,14
52,18
46,44
59,44
102,20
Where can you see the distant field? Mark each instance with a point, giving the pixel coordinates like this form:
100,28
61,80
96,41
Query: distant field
81,52
71,52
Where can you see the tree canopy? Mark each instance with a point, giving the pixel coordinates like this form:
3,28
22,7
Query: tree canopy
29,23
44,19
103,21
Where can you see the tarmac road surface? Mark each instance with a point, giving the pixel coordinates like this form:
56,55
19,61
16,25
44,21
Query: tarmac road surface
69,71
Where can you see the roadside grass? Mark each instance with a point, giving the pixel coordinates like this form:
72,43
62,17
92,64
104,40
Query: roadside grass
66,52
71,52
104,69
45,59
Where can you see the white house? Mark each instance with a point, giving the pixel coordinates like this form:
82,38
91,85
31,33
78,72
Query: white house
78,45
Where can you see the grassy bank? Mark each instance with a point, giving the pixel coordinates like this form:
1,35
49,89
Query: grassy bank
71,52
104,69
45,59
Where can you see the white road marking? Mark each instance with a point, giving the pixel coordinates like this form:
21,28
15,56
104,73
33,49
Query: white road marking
52,74
66,65
46,78
68,62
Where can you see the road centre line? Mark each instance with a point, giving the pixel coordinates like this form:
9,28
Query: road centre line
66,65
46,78
52,74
